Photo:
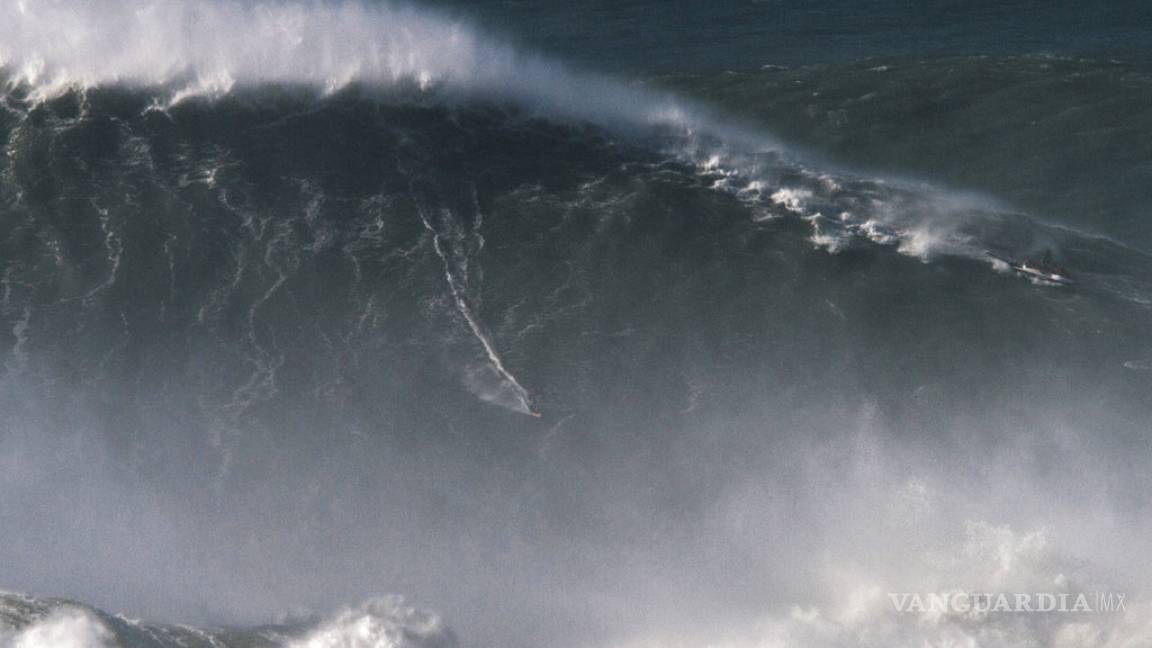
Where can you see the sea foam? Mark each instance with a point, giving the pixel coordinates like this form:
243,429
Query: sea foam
211,48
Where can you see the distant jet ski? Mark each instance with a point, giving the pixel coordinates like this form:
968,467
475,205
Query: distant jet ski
1042,269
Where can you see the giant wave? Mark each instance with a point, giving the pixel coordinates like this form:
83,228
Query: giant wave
280,280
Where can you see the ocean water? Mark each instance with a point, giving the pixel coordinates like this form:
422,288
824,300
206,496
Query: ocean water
633,324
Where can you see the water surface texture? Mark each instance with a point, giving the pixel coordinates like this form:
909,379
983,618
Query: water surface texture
583,324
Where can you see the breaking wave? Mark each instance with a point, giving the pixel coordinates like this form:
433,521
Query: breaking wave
211,48
29,622
279,282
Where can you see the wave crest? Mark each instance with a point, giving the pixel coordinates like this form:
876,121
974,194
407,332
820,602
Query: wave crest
381,623
210,48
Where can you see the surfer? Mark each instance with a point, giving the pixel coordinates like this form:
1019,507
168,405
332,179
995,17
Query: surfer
531,402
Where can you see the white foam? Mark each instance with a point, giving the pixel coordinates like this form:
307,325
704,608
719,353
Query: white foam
793,200
830,242
65,628
987,557
920,243
380,623
213,47
1000,266
879,233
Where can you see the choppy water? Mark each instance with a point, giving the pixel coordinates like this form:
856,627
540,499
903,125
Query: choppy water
305,304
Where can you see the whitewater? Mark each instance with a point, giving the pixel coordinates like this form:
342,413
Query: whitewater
356,324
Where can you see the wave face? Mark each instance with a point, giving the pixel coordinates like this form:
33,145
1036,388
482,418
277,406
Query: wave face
303,303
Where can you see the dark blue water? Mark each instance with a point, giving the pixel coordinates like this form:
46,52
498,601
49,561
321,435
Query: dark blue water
639,37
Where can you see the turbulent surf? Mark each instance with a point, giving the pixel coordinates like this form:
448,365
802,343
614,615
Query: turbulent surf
307,304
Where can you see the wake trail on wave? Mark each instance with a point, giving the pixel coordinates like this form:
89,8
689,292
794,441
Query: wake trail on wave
507,391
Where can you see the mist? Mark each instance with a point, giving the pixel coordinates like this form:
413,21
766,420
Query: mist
559,359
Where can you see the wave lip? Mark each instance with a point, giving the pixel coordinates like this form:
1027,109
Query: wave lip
210,48
56,44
